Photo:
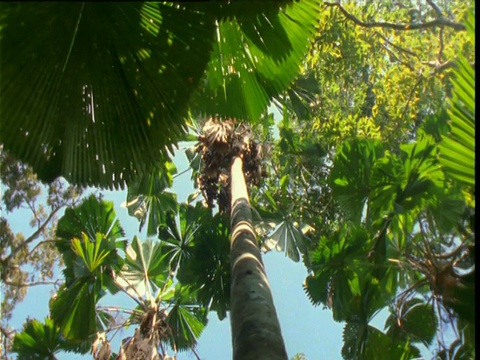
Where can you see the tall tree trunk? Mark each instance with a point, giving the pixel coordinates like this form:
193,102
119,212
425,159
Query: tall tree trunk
256,331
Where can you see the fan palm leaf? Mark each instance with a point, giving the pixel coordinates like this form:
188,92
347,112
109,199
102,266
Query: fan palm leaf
95,92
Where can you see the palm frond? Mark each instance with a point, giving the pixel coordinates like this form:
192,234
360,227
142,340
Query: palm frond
95,92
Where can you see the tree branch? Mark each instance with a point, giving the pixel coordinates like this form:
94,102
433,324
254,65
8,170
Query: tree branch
440,21
406,51
27,284
435,7
32,237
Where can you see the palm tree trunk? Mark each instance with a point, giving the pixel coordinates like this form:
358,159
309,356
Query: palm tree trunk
256,331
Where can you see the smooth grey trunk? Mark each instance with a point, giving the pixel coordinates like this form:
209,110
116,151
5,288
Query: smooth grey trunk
256,331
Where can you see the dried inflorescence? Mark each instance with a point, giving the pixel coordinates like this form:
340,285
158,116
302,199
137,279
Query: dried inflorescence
152,332
220,142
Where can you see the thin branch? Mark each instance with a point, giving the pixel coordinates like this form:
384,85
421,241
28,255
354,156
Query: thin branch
440,40
195,353
439,67
117,309
435,7
38,245
441,21
411,96
32,237
409,52
27,284
6,333
182,172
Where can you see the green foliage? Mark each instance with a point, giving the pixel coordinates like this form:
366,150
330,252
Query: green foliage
352,173
125,76
73,309
197,246
145,269
379,112
37,340
366,342
167,310
457,151
89,219
186,319
255,57
364,165
42,341
92,216
90,272
339,277
147,199
416,321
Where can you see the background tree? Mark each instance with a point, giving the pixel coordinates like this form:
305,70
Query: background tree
346,143
28,260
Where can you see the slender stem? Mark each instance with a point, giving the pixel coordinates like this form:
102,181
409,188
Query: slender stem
256,330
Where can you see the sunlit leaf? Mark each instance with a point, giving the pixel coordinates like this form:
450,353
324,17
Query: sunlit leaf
73,309
145,269
92,216
457,151
91,219
92,255
255,57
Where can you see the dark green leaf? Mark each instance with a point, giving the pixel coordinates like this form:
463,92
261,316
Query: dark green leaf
38,341
147,199
351,175
208,268
108,84
73,309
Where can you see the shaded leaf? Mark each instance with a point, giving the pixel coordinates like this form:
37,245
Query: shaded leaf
178,234
147,199
123,75
351,175
420,321
105,75
186,320
208,269
288,238
38,340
